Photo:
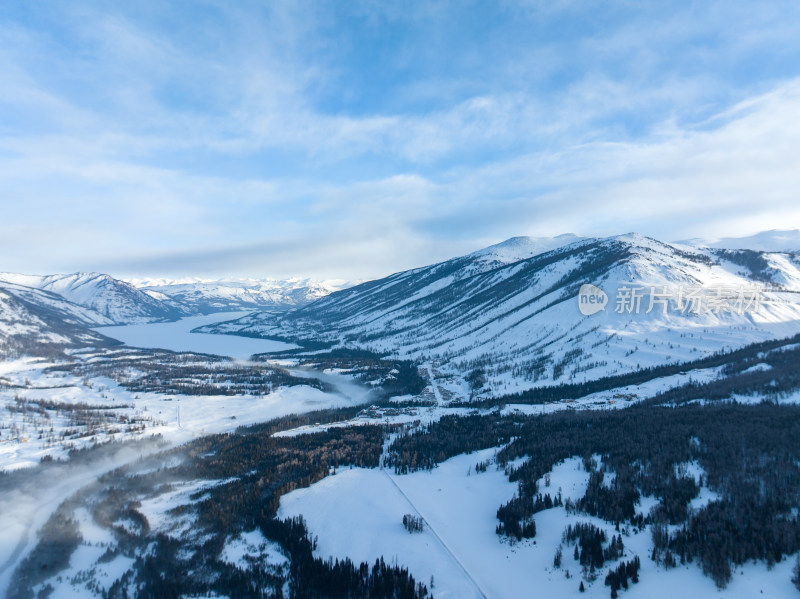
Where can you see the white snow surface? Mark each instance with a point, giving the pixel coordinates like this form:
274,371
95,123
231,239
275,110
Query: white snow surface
523,247
358,513
230,293
252,546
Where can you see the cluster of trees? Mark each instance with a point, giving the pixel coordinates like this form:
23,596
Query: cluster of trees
589,542
618,577
780,377
481,466
551,393
162,572
166,372
476,378
413,523
312,577
59,537
516,516
55,423
545,502
257,469
426,447
515,520
753,261
615,502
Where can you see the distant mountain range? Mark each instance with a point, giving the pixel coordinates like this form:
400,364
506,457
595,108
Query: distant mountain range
512,309
48,313
114,301
206,297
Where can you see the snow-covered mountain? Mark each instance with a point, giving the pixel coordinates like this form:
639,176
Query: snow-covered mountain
35,321
116,301
107,300
520,248
205,297
518,317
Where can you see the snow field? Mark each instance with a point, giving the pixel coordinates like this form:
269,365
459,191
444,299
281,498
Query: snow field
358,513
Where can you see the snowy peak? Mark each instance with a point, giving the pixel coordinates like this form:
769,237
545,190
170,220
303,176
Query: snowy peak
113,301
523,247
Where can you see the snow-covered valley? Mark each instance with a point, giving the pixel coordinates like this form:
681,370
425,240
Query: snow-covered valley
279,453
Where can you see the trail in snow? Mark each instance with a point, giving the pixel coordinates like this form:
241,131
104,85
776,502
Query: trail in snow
435,388
435,534
444,545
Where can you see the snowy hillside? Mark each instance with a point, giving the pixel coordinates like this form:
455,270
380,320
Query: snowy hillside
519,319
115,300
521,248
36,321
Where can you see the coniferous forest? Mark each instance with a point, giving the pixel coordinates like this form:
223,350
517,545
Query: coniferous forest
748,456
748,452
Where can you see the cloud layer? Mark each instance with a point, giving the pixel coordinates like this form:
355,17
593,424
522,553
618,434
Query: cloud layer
277,139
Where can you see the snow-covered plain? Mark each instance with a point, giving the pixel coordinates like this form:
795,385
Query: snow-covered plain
25,439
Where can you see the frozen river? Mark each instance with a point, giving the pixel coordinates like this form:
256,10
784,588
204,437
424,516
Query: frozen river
177,336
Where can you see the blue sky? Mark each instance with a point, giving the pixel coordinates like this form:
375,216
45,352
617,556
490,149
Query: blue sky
354,139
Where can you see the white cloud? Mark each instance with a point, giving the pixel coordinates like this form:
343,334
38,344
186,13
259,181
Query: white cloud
209,146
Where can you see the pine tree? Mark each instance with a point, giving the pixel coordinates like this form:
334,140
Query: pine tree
557,558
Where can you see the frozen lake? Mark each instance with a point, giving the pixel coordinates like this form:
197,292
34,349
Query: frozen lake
177,336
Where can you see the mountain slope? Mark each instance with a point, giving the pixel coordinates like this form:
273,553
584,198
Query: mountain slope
37,322
519,320
117,301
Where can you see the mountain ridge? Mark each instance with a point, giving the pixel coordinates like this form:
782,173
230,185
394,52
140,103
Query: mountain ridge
519,320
